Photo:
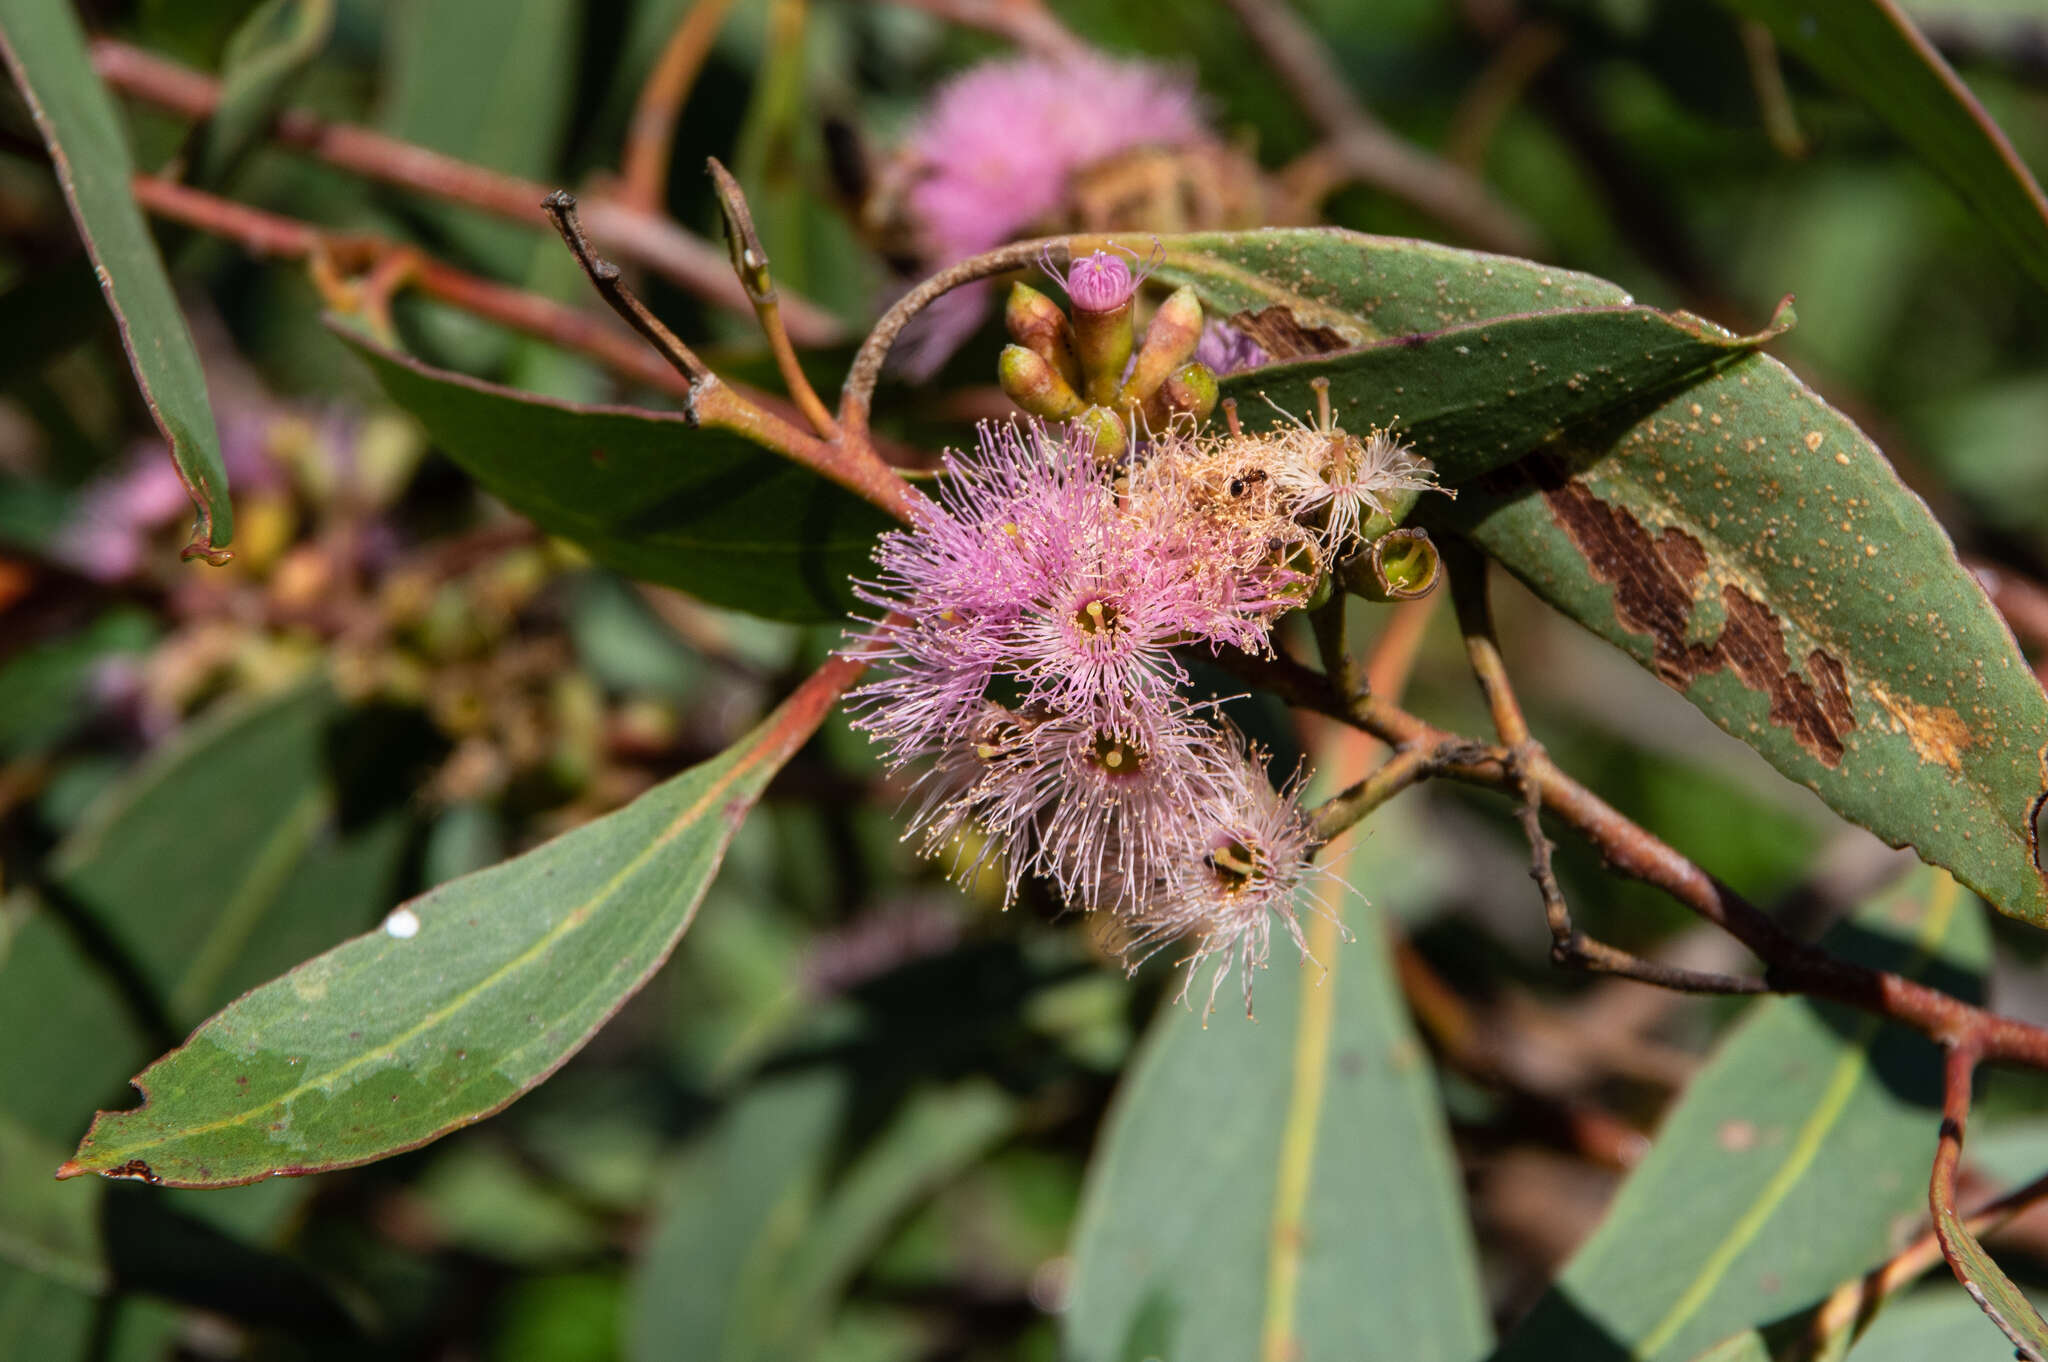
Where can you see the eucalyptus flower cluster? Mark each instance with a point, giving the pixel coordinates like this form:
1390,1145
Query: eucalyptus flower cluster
1030,661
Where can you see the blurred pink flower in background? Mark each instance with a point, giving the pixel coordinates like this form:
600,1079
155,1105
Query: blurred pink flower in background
997,148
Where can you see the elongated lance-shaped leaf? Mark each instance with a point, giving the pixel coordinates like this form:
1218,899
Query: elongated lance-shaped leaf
465,998
1785,1170
1475,396
757,1243
648,494
1308,290
1285,1187
264,59
1871,50
2001,1300
198,843
1753,549
45,51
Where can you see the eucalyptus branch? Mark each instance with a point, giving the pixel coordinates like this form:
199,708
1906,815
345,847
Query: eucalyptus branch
714,403
1791,965
644,238
856,399
1360,145
750,263
1402,771
389,266
650,136
1569,947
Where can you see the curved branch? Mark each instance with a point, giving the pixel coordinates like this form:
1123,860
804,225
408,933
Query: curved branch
856,399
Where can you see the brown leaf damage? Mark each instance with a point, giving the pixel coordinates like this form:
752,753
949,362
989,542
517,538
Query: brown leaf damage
1653,579
1938,733
1282,337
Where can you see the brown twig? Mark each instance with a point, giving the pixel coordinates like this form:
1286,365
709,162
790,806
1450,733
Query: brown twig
1791,965
750,263
1402,771
270,235
714,403
1027,23
687,261
1569,946
1364,147
856,399
651,135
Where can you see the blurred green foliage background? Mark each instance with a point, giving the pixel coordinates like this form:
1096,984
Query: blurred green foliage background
853,1117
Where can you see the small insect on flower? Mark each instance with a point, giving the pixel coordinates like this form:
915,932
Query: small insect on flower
1240,866
1027,662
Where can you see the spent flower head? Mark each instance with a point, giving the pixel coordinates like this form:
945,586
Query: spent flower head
1240,865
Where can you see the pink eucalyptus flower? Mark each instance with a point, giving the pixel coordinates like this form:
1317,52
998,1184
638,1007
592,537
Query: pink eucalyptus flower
996,149
1240,866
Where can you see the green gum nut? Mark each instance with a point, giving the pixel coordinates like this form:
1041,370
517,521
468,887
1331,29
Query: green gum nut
1400,565
1036,386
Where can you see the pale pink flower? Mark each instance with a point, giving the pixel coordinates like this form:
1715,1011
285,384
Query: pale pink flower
1000,141
1102,281
1240,865
996,149
1027,661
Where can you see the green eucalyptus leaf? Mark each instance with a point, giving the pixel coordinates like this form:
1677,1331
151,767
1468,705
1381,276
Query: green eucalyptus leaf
649,495
1939,1323
45,1227
1786,1169
1284,1187
2000,1298
462,1000
1306,290
1871,50
756,1244
491,82
1475,396
46,54
265,57
1753,549
225,842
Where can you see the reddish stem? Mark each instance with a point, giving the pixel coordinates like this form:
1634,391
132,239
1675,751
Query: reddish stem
655,242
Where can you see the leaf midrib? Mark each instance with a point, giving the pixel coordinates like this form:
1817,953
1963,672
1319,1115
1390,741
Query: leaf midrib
1849,1070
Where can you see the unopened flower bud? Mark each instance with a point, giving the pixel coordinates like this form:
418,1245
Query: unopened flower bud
1102,343
1169,343
1100,282
1190,389
1038,324
1036,386
1106,429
